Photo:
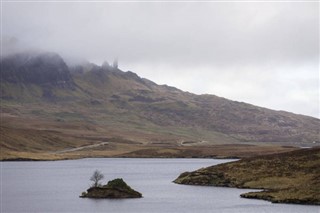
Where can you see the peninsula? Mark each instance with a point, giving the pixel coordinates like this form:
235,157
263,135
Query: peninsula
292,177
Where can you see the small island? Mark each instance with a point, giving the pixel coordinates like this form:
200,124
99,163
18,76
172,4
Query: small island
114,189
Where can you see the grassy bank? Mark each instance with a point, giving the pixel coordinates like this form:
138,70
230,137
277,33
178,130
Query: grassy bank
292,177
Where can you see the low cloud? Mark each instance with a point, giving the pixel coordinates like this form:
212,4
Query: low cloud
264,53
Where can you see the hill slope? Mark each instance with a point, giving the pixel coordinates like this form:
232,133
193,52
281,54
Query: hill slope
41,89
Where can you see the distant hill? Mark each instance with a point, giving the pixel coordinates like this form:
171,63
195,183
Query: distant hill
90,92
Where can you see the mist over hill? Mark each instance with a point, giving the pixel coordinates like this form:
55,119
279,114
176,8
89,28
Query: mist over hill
99,94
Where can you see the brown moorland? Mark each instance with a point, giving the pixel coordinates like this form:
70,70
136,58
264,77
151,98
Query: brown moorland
292,177
53,111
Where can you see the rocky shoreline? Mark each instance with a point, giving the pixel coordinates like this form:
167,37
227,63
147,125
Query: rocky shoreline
292,177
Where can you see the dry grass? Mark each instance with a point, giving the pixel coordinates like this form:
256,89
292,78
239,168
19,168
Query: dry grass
29,137
292,177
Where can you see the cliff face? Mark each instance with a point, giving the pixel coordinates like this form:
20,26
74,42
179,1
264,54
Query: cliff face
26,76
39,69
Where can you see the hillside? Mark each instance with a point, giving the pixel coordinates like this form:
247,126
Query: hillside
87,104
285,178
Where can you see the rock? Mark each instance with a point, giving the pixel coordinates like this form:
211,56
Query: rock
44,69
116,188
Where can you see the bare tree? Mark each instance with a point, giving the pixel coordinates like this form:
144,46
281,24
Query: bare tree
96,177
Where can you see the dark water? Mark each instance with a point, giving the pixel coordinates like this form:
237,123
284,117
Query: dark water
55,187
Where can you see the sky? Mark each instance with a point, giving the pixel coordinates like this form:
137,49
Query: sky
259,52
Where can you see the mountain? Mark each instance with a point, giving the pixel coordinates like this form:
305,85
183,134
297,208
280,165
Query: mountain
41,89
31,73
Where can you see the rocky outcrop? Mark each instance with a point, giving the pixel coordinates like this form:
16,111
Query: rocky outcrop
41,69
116,188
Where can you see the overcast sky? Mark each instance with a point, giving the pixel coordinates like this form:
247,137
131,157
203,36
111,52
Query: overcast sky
263,53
